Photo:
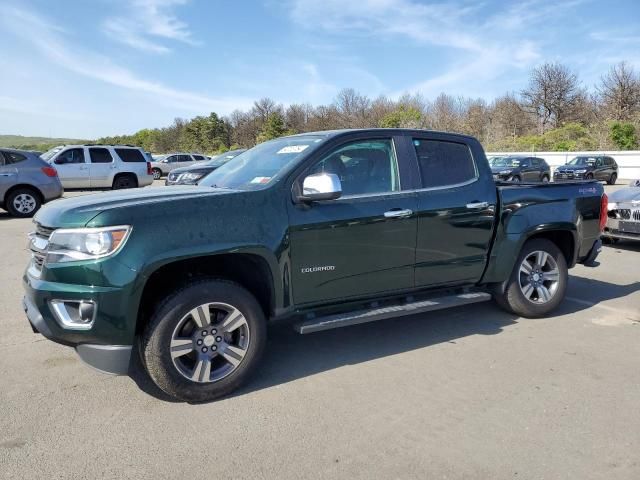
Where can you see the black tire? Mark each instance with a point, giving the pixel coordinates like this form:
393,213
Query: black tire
159,332
513,300
23,202
612,179
589,176
545,179
124,181
516,179
157,173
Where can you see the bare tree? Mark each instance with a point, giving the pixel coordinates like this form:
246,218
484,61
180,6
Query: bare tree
353,109
552,93
297,117
619,91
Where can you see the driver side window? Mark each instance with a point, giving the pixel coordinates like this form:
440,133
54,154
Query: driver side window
73,155
363,167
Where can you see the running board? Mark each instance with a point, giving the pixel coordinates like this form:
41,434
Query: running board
363,316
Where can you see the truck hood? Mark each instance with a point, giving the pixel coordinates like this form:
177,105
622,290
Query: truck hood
78,211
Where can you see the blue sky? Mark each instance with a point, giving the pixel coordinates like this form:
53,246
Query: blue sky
92,68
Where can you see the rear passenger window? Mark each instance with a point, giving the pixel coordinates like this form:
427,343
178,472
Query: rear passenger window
444,163
130,154
198,157
184,158
73,155
13,157
100,155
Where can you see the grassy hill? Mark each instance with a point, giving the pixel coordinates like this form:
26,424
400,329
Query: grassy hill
36,143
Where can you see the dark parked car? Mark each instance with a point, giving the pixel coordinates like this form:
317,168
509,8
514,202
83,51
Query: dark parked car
520,169
26,182
191,175
324,229
598,167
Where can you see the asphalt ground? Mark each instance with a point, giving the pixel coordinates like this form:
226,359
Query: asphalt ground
472,392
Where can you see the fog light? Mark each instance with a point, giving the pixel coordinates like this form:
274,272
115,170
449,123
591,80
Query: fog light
74,314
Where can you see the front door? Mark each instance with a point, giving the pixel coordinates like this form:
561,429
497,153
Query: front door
72,168
362,243
456,208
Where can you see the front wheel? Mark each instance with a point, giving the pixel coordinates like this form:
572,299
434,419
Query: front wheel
205,340
157,173
538,282
589,176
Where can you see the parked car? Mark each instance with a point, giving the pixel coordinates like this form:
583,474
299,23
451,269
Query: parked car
324,229
193,174
623,220
163,164
520,169
100,166
26,182
588,167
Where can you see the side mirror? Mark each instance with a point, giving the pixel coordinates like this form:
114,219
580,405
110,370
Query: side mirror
321,186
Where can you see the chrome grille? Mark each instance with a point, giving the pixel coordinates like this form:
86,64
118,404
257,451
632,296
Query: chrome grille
38,244
636,215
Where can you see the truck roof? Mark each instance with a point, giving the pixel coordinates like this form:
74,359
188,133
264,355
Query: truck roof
344,131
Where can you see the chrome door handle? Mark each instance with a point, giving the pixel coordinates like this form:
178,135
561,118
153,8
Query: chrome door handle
405,212
477,205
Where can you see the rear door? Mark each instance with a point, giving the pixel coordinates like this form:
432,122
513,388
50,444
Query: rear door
529,173
363,243
102,166
456,208
73,168
8,176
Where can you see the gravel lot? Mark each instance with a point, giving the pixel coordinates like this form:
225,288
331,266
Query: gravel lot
467,393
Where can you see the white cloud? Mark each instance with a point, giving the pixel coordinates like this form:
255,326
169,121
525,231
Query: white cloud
148,21
483,47
52,44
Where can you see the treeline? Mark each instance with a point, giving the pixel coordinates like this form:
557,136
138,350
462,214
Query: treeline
553,112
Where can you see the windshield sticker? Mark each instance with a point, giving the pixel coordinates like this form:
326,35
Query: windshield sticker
261,180
292,149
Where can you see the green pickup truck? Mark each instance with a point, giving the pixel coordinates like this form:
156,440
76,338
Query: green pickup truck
324,230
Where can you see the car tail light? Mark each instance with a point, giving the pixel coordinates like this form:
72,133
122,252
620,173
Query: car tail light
604,204
49,171
149,172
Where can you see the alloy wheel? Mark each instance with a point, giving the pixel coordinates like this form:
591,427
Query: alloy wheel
210,342
539,277
24,203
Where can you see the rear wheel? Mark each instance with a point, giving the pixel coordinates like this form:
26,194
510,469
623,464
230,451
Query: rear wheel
612,179
23,202
538,282
205,340
157,173
545,179
124,181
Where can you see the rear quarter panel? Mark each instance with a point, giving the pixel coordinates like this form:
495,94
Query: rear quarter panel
528,210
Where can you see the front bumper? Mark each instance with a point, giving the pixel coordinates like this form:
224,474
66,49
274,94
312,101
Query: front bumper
560,177
113,359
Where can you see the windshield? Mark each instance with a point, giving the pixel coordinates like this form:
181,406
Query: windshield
257,168
583,161
504,162
49,154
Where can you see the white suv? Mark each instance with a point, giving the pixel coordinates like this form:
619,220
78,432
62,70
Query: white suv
100,166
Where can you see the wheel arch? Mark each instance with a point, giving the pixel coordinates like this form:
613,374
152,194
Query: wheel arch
250,270
127,174
23,185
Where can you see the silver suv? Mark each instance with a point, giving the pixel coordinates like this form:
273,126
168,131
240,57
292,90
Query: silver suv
26,182
100,166
163,164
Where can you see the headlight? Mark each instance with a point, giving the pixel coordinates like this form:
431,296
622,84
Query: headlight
75,244
505,172
579,171
191,177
